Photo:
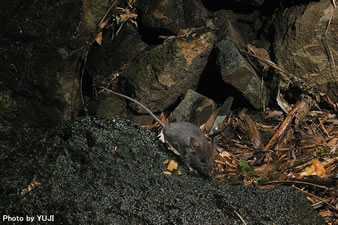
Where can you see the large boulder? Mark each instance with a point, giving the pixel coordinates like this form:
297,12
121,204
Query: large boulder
41,45
306,44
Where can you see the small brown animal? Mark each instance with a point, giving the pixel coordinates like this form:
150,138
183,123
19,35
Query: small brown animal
196,151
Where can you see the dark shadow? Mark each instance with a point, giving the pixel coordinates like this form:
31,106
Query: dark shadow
212,85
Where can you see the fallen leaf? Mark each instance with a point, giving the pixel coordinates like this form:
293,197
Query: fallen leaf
251,130
172,165
261,52
325,213
98,38
333,142
316,168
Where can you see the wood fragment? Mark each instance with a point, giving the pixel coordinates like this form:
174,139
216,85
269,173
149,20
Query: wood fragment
284,125
323,128
251,129
303,110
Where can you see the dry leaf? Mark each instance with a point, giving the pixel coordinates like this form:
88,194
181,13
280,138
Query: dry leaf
172,165
98,38
272,114
326,213
333,142
251,129
207,125
128,16
34,184
261,52
316,168
303,110
225,154
265,171
283,126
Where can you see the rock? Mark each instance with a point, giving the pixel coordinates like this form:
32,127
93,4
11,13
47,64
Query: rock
100,171
40,49
231,33
108,105
222,113
301,47
241,29
159,76
194,108
238,72
114,55
171,16
243,6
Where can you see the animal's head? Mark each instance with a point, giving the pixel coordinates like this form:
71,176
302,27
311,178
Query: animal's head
202,156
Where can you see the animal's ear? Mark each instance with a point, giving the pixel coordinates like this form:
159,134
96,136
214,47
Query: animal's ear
194,143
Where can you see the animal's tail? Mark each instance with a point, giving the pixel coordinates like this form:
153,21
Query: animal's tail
133,100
